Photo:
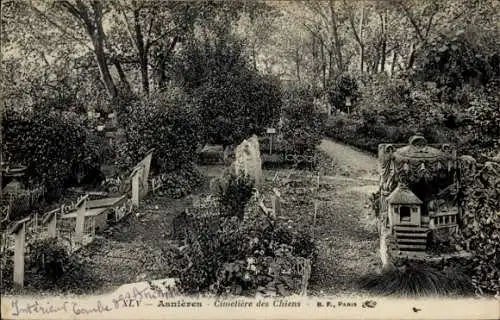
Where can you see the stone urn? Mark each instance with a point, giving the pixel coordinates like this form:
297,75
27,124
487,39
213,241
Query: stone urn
16,173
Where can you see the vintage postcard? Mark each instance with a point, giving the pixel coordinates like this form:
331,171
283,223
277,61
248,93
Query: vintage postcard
250,159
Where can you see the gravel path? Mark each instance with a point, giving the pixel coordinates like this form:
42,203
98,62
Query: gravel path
350,160
347,236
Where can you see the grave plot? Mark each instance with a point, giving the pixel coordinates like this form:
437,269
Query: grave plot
332,212
71,227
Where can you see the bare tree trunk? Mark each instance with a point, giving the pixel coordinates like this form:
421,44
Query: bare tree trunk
323,66
336,37
98,37
142,49
411,58
314,55
361,44
330,64
297,64
121,73
254,54
383,48
161,63
376,61
103,68
393,64
93,26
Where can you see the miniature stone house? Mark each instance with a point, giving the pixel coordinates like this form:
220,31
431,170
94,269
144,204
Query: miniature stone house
404,207
417,185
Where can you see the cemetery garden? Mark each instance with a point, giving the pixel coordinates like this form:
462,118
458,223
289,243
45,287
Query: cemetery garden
164,141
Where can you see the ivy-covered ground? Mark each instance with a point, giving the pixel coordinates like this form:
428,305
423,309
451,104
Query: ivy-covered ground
138,248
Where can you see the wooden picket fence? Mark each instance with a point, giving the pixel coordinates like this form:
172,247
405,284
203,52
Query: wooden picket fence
12,203
157,182
59,223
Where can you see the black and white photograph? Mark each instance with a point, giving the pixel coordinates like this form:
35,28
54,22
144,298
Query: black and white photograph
254,153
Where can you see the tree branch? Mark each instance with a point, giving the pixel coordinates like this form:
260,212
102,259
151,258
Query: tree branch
351,22
159,37
315,7
148,33
412,20
429,24
59,27
313,33
121,10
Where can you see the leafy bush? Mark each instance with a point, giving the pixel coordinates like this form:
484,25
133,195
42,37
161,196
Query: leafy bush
234,100
49,266
180,183
234,195
303,125
235,257
450,96
56,148
6,270
480,226
49,259
166,122
484,116
343,86
364,134
467,56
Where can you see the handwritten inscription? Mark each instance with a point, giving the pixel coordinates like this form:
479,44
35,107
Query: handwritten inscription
50,308
140,295
127,300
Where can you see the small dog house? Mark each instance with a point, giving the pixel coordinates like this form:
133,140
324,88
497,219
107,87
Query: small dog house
404,207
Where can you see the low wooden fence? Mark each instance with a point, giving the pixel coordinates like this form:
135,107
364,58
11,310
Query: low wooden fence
74,224
157,182
13,203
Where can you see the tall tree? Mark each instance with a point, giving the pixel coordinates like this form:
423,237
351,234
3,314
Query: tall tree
90,17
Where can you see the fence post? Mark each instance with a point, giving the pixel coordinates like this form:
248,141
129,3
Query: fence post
135,188
20,235
80,221
52,228
276,204
314,219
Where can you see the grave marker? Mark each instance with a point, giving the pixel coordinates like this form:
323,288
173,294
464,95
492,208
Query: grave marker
81,207
271,132
51,220
20,237
135,187
276,202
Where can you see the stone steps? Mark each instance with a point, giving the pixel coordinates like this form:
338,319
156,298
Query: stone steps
411,238
410,229
412,247
411,235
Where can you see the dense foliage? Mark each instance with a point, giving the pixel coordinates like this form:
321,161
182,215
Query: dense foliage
230,256
49,266
303,124
234,100
234,194
451,95
342,87
56,147
480,226
166,122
